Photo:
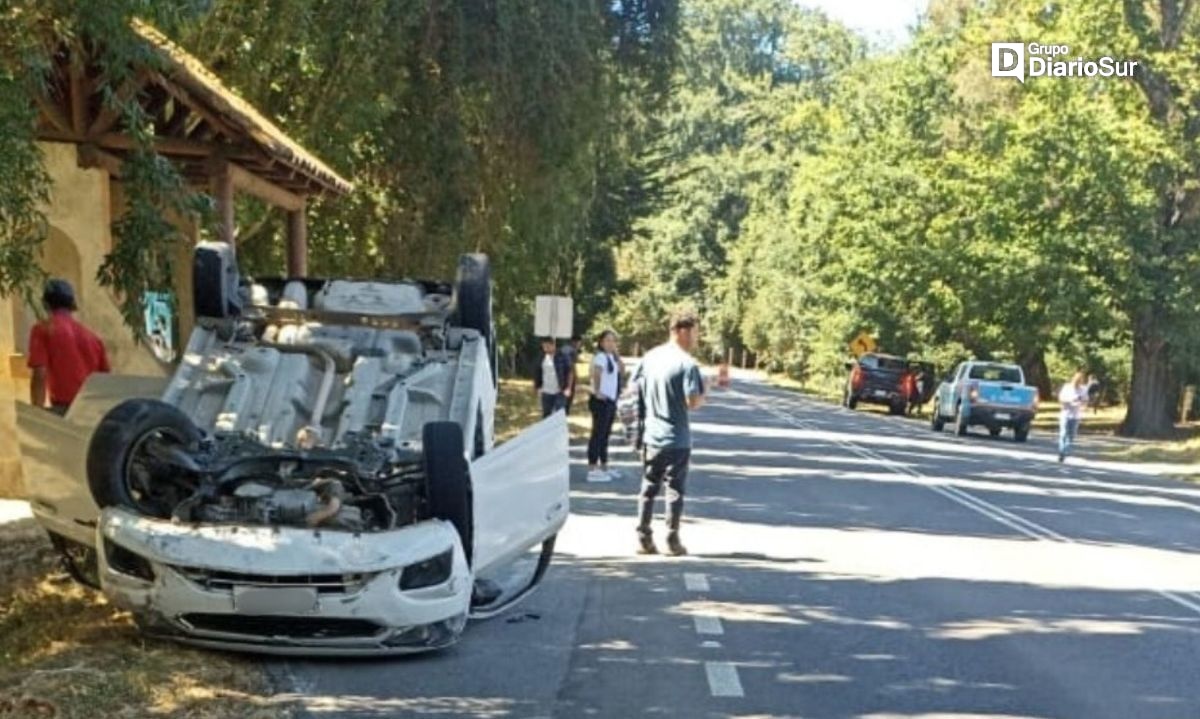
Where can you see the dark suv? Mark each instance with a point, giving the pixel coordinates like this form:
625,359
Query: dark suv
877,379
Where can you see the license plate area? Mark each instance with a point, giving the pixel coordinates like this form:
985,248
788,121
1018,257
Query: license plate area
1003,415
274,600
880,393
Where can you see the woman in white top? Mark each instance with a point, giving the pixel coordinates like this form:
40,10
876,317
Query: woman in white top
605,386
1073,397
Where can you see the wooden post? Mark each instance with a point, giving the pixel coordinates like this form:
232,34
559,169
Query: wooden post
297,244
220,184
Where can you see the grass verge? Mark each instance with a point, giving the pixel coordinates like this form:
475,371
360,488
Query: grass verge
65,652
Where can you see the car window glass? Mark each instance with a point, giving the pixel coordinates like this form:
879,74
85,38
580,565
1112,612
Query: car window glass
996,373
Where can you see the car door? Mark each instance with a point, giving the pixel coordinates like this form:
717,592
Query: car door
521,491
54,452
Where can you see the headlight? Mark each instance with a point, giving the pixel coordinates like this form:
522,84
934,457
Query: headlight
431,572
126,562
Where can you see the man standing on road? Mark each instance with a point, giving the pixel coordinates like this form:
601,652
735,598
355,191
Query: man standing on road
1072,397
62,352
553,377
670,384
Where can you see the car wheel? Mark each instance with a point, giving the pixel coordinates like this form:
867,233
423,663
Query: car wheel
473,300
960,422
896,409
448,480
1021,433
936,422
215,281
852,402
995,431
126,466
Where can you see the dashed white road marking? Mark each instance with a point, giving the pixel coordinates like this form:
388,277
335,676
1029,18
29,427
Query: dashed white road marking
695,582
710,645
723,679
1023,526
708,625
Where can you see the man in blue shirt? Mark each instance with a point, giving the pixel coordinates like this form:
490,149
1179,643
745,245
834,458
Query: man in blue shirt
671,385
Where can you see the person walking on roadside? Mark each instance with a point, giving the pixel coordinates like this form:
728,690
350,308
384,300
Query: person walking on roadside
670,385
552,378
570,350
62,351
605,388
1073,397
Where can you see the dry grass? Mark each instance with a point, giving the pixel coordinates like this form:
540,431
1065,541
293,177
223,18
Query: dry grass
518,407
65,652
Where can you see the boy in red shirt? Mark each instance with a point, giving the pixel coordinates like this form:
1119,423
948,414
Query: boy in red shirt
62,352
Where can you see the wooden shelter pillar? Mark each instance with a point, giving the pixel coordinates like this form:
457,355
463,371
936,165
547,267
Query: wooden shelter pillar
221,188
297,243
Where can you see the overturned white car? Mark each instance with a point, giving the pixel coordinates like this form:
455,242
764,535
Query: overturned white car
317,477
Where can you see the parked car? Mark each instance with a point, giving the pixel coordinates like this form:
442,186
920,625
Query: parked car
876,379
990,394
317,477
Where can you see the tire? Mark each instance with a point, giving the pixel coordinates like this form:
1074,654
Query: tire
852,402
473,301
1021,433
960,423
995,431
448,480
936,422
896,410
118,441
215,281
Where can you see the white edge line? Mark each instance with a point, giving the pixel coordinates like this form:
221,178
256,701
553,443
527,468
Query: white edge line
959,495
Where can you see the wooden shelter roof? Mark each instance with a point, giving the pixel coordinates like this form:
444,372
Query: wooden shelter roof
198,121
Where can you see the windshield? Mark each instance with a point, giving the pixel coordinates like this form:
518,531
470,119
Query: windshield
996,373
882,362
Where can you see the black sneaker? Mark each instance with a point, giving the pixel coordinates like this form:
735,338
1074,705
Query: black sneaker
675,547
646,543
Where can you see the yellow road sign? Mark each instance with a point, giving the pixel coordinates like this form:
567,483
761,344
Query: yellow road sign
862,344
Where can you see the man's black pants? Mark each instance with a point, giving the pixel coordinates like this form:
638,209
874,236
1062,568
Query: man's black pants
667,465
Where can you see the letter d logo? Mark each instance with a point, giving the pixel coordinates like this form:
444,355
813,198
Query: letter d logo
1008,60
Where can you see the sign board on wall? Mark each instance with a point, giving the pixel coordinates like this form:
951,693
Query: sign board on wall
553,316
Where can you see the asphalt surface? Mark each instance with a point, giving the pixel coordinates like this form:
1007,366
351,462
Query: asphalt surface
843,565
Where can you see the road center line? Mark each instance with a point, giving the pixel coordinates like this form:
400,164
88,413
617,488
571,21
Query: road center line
708,625
695,582
1023,526
723,679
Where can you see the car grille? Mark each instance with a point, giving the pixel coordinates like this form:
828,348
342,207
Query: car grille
282,627
215,580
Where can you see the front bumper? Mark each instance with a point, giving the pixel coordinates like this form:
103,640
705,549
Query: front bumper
1000,416
284,590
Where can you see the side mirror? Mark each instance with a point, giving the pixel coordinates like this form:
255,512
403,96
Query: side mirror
848,365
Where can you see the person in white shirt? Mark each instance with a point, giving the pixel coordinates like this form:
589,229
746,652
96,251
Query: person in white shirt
1073,397
552,378
605,387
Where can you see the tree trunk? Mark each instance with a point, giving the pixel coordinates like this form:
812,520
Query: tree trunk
1151,412
1033,363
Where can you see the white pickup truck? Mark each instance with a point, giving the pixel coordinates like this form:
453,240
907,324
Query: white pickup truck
318,476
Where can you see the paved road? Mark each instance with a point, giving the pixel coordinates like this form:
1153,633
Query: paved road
844,565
